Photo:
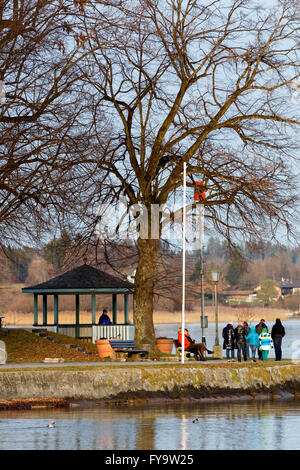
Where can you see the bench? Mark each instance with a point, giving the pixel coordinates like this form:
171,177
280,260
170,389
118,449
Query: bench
177,345
126,347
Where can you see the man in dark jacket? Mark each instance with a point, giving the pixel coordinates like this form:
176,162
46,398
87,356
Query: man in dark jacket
228,343
240,339
104,319
277,333
259,327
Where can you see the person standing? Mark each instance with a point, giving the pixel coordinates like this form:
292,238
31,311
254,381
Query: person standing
247,331
239,334
104,318
265,343
277,333
253,340
228,343
259,327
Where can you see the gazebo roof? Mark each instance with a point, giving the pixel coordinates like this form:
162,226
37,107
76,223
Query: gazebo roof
83,279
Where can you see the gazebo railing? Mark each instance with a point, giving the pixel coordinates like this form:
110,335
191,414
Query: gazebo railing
124,332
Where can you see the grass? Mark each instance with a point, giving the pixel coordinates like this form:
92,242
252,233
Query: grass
24,346
147,365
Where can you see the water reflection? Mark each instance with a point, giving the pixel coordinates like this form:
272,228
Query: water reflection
251,425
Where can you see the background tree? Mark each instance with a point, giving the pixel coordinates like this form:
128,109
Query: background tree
55,251
236,268
267,292
42,127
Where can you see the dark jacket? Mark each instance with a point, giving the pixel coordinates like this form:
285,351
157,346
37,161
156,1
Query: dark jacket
278,330
104,320
239,334
259,327
228,335
247,329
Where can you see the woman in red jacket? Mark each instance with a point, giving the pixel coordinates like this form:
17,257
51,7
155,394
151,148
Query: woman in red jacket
191,346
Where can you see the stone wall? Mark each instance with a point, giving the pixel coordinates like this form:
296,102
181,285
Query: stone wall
148,381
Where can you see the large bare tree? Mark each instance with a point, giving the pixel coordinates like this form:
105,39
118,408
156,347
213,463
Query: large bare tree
158,83
206,83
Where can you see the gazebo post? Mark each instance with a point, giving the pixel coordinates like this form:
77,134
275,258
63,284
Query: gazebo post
44,309
114,308
93,309
77,315
35,310
126,309
55,299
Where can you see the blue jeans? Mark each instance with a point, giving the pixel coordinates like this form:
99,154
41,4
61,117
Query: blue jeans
277,347
228,351
253,350
241,348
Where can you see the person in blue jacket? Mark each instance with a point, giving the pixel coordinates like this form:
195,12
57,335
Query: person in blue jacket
253,339
104,319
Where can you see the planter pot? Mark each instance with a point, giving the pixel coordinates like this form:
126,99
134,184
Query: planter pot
165,345
104,348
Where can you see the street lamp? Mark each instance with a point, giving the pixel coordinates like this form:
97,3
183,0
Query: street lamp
215,275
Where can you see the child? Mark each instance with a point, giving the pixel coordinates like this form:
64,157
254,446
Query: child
265,343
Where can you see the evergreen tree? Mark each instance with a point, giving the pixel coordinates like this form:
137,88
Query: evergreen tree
54,252
237,267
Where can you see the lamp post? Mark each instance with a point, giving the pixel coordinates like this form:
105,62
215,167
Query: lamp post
215,275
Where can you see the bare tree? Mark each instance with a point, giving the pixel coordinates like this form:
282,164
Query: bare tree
165,82
43,117
206,83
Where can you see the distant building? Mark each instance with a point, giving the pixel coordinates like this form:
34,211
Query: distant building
288,287
238,295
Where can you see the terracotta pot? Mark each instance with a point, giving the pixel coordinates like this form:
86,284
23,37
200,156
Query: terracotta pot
104,348
165,345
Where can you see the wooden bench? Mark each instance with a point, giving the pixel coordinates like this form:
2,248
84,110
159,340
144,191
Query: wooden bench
177,345
126,347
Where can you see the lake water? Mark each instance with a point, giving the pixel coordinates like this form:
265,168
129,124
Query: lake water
261,425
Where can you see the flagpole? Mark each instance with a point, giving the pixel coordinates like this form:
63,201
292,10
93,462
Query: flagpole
183,262
202,271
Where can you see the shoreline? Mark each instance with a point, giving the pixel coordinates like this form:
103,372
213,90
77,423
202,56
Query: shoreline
137,401
141,383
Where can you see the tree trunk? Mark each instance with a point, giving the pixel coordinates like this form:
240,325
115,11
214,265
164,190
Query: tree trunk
144,287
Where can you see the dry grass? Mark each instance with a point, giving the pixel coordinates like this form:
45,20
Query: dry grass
225,314
160,317
24,346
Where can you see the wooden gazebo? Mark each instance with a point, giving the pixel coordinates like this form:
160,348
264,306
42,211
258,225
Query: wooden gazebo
84,279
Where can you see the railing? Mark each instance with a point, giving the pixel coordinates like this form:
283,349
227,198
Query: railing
124,332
